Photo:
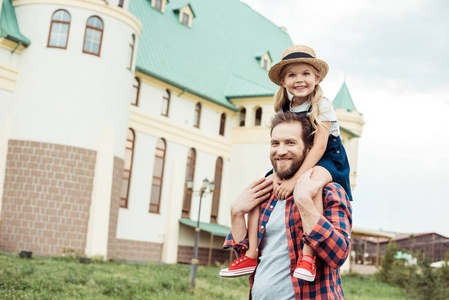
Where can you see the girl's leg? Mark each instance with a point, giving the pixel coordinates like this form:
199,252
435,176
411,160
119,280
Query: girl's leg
253,223
246,265
305,268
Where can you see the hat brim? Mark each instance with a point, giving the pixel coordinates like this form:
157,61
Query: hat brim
275,71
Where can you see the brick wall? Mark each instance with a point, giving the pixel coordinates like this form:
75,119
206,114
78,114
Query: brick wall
185,254
135,251
46,197
115,206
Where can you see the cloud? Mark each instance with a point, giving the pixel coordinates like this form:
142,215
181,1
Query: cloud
400,40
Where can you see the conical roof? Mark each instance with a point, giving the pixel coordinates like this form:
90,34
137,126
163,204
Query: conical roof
9,27
344,99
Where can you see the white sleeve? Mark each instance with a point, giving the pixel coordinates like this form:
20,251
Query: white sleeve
326,112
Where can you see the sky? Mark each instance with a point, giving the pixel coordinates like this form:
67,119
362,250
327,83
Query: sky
394,58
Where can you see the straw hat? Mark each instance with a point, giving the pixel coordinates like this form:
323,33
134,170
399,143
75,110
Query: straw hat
297,54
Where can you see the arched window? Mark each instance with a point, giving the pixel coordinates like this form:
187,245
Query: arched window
258,120
217,189
136,92
222,124
242,117
93,36
197,115
128,165
158,174
59,29
190,173
131,51
165,103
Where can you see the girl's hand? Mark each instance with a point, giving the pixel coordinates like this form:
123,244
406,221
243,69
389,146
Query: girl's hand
285,189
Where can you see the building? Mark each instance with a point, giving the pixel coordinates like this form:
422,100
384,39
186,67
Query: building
431,244
108,109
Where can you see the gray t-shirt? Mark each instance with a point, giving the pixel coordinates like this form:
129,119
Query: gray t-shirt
272,279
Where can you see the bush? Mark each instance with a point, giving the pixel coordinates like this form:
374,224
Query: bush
426,284
420,282
394,271
443,272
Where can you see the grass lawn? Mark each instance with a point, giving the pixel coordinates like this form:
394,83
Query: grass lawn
65,278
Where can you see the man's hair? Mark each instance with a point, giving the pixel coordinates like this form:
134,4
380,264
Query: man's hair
290,117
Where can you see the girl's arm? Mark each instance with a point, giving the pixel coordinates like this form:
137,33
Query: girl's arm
312,158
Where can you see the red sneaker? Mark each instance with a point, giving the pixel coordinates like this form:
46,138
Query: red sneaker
240,267
306,268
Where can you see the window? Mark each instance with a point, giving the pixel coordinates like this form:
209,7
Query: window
185,19
93,36
242,117
131,51
222,124
120,3
158,5
165,103
128,165
190,173
197,115
136,92
258,120
216,192
158,174
59,30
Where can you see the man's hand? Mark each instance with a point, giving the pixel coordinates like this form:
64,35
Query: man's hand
252,195
306,188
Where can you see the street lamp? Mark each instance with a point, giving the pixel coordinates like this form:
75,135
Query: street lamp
206,187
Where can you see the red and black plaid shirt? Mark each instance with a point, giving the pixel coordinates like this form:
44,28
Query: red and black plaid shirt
330,239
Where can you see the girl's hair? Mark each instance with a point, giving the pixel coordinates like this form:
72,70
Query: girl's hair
281,97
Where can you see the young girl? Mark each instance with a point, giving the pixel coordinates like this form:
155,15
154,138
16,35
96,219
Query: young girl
298,74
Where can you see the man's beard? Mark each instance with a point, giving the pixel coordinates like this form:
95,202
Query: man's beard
288,173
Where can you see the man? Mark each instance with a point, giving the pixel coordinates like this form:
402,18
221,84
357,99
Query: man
284,226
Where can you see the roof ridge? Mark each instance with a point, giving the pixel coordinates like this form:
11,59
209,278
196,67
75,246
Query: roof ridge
278,26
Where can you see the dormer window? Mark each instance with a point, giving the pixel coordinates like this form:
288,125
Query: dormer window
265,60
159,4
186,15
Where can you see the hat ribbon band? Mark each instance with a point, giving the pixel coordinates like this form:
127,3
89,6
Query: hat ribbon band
298,55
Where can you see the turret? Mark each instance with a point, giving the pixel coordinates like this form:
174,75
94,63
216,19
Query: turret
351,125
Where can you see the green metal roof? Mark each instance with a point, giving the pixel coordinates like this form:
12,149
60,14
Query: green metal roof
212,228
209,57
9,28
239,87
344,99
